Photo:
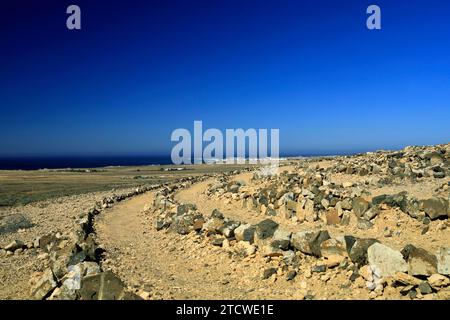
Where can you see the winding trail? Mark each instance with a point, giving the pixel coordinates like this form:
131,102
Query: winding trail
158,263
196,194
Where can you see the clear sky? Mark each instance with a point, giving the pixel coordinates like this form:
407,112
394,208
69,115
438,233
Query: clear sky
137,70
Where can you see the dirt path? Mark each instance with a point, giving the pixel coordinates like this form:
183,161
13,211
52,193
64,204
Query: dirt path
163,265
158,263
195,194
234,210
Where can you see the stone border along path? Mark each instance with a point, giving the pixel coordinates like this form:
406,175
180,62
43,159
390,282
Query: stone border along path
378,264
75,271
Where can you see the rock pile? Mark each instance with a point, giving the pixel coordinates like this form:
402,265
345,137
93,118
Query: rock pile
311,196
409,163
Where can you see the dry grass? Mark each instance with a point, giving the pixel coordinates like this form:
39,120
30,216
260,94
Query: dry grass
19,187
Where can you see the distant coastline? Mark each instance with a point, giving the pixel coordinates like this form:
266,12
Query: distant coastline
96,161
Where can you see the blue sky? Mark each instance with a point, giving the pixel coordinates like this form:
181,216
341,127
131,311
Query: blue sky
138,70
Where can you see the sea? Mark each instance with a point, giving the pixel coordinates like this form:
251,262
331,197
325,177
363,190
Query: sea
64,162
80,162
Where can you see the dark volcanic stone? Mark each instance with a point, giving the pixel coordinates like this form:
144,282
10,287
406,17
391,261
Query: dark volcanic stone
397,200
217,214
217,242
319,268
291,275
412,294
358,252
425,288
349,242
420,261
263,200
317,241
379,199
160,224
269,272
266,228
435,207
354,276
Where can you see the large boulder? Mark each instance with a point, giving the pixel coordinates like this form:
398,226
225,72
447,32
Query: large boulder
364,224
271,240
333,247
438,280
281,239
301,240
435,158
309,242
245,232
377,200
396,200
265,229
435,207
443,260
346,204
387,260
412,207
420,261
71,254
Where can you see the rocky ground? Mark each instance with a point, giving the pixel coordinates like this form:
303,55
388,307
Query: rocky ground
32,237
369,226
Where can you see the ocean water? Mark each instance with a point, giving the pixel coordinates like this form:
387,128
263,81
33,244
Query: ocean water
75,162
34,163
